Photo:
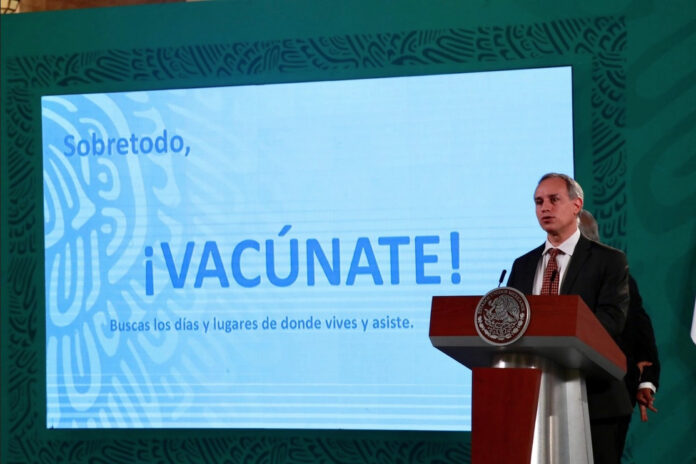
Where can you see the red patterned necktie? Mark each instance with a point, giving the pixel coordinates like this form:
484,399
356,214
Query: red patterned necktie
549,284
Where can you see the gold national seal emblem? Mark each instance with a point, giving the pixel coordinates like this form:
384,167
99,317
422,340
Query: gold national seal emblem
502,316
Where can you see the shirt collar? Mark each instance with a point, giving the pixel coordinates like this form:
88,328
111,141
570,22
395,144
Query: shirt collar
567,247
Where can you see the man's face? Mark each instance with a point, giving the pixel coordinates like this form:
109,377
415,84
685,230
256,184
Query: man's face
555,211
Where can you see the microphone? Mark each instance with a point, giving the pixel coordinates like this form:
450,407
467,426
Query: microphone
502,276
553,276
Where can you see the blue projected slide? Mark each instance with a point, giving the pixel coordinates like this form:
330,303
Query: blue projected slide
265,256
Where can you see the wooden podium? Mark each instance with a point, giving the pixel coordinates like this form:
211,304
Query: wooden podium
529,397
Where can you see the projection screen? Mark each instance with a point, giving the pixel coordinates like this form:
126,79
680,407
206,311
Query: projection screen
264,256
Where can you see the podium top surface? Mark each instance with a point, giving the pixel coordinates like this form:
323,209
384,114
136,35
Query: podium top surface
561,328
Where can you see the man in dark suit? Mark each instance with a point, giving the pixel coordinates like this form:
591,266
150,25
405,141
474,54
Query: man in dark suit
637,342
596,272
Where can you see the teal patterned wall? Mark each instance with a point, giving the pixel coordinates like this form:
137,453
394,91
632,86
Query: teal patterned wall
661,143
91,62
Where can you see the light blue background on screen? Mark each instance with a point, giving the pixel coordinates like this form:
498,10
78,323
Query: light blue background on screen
346,162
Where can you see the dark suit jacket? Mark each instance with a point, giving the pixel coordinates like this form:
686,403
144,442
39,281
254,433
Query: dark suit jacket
638,344
599,274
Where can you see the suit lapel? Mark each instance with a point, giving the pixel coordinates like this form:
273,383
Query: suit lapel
529,270
580,255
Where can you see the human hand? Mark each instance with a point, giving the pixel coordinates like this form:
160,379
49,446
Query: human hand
642,365
646,400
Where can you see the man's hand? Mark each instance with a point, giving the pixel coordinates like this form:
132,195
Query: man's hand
645,396
642,365
645,400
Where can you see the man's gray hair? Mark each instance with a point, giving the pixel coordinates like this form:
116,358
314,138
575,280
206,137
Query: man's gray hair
574,189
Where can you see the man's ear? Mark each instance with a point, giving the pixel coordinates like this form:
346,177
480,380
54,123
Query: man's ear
578,204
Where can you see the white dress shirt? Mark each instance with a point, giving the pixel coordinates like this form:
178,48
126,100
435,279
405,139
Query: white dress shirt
567,247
